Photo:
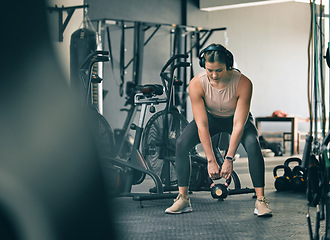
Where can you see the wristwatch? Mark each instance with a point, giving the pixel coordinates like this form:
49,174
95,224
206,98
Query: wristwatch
232,159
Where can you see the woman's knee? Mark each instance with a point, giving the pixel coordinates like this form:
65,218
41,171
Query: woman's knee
179,142
251,142
252,147
184,145
181,145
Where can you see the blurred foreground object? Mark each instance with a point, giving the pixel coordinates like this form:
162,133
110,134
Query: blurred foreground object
51,186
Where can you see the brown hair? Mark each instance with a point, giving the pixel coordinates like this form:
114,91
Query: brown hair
218,53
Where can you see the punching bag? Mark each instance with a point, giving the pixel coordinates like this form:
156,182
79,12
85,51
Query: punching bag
83,42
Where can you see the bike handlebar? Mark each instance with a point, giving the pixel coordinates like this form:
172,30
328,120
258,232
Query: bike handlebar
172,59
181,64
91,55
102,59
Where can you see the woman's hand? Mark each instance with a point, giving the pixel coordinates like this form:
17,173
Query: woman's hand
226,169
213,169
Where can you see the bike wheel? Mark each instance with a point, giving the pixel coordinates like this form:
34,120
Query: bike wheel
236,180
153,143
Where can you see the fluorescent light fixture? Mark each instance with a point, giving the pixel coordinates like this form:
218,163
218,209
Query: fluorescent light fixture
214,5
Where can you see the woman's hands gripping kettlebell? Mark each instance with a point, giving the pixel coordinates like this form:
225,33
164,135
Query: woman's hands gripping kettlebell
213,169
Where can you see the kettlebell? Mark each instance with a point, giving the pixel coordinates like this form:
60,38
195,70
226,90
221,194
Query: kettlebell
298,180
292,159
220,190
282,183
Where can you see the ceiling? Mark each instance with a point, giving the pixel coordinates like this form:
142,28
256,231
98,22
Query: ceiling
212,5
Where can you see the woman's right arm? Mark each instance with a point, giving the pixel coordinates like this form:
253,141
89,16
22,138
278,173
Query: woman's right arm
196,94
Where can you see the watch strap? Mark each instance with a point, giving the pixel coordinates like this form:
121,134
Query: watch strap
230,158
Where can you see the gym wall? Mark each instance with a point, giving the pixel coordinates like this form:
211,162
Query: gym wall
156,52
269,44
63,48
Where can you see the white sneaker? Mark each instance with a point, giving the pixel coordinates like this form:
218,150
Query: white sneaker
261,208
180,205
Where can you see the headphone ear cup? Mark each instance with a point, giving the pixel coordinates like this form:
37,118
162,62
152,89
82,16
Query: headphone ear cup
202,59
202,62
230,60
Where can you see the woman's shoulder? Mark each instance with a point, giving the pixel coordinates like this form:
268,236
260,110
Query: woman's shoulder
240,77
244,85
195,81
195,85
244,80
202,74
199,77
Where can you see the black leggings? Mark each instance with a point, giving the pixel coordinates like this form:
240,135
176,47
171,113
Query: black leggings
189,139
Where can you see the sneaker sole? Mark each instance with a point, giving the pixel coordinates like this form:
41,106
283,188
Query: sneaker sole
256,212
185,210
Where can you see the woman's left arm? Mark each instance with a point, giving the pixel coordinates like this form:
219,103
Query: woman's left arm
244,94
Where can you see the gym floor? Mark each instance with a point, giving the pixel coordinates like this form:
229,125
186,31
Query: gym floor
231,218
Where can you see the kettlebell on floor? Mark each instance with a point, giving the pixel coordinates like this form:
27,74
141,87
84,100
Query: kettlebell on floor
283,183
299,175
299,179
291,160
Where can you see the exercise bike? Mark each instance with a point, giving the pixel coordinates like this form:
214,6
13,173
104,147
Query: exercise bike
132,171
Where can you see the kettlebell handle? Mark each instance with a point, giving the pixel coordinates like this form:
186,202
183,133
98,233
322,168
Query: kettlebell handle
287,170
293,159
227,183
299,171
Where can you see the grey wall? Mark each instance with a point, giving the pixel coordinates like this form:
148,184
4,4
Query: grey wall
63,48
160,11
269,44
156,52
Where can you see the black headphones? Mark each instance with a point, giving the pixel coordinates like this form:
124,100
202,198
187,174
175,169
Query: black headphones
229,56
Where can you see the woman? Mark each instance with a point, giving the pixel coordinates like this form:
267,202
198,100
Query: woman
220,98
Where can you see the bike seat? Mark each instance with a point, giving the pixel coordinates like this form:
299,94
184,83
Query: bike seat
150,89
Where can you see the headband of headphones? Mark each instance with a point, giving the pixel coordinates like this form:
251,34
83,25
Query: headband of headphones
229,56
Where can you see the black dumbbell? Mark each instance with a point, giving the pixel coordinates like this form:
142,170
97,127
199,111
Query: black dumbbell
298,180
282,183
220,190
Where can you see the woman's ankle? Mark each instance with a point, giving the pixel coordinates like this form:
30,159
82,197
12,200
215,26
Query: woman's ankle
259,192
184,192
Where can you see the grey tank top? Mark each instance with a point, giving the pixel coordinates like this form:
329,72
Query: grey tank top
220,102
